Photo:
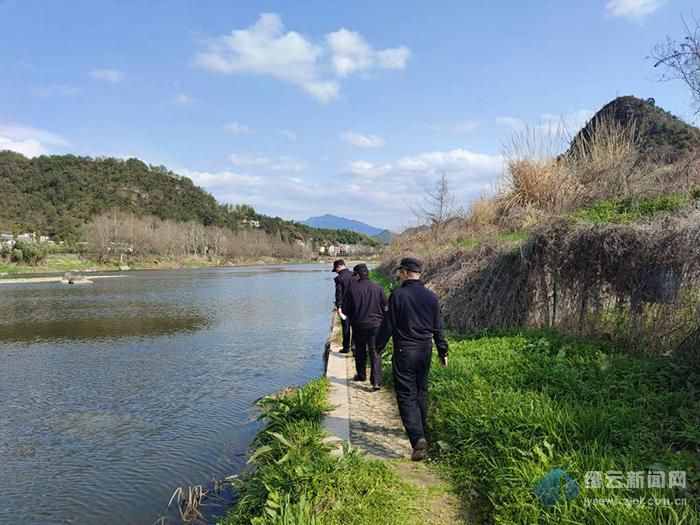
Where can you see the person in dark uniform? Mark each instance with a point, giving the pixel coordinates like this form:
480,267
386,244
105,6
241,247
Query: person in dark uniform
413,322
364,304
342,283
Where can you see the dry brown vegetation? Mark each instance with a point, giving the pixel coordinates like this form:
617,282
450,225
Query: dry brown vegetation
118,233
637,284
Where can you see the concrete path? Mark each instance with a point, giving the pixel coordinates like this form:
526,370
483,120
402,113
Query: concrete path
368,420
337,421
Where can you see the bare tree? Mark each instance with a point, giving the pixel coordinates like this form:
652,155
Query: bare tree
438,206
680,59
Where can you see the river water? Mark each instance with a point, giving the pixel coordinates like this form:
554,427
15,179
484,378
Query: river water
114,394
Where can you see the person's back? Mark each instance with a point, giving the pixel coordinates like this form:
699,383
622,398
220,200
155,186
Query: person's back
342,280
365,304
413,321
415,315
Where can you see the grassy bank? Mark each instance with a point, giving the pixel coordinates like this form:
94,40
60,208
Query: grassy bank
296,480
511,409
58,263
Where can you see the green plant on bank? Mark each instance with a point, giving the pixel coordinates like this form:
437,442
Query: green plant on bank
510,409
296,481
386,282
622,211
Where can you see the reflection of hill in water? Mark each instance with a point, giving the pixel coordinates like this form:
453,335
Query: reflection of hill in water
82,329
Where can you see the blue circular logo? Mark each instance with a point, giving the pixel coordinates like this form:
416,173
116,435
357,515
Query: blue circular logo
555,485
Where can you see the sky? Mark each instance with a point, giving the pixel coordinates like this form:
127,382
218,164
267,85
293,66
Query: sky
305,108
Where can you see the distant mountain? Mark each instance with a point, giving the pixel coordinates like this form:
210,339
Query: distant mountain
333,222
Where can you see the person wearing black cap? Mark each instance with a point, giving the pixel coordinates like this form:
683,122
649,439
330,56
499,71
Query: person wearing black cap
342,283
413,322
364,304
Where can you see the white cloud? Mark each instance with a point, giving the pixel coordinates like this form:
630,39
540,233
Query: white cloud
362,141
351,53
220,179
634,9
266,49
30,142
457,161
108,75
183,100
362,168
236,128
378,193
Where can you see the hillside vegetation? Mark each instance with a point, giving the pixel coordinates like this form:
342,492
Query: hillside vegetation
58,195
602,240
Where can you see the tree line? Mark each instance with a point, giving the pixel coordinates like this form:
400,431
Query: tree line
57,195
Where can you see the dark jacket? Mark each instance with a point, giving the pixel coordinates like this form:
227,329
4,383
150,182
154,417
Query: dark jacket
364,303
413,319
342,283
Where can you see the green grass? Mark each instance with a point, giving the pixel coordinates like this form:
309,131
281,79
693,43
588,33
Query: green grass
54,263
296,481
387,283
509,409
623,211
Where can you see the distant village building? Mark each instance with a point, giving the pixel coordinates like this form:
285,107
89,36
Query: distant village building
253,223
7,239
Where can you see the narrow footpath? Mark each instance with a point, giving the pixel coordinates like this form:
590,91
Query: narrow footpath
369,421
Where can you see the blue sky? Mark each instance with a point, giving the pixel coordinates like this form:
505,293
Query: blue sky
304,108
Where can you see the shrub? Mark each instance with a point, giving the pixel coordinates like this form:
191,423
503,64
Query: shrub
29,252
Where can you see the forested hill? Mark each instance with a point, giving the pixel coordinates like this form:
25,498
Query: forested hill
56,195
662,137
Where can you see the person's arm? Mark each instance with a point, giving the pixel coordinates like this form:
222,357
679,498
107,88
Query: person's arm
386,330
348,304
338,292
439,336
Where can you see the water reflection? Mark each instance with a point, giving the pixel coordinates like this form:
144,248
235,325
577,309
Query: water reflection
117,393
76,329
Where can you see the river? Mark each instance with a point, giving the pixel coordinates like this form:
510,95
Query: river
114,394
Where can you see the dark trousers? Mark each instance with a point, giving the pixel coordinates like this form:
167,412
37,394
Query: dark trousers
411,367
365,346
346,333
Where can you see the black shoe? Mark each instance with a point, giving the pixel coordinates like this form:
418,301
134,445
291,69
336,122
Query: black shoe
344,351
359,378
420,451
376,388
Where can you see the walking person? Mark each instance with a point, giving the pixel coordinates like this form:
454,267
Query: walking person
365,304
413,322
342,283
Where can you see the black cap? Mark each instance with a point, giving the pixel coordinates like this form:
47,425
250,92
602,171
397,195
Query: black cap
337,264
361,269
410,264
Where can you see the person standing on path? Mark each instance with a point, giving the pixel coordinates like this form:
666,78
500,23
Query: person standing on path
413,322
365,304
342,284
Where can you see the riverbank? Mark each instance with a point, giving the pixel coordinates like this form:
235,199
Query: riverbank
316,463
527,426
60,264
